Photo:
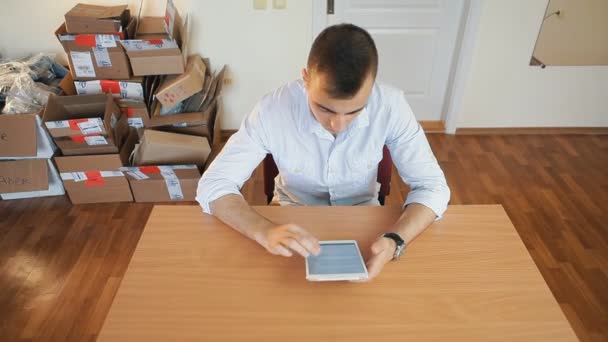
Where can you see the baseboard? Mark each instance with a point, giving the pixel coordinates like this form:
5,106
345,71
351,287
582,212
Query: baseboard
427,126
432,126
533,130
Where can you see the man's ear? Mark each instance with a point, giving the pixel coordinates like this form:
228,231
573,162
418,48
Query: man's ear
305,76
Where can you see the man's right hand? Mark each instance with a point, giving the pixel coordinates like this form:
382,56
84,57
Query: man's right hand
288,238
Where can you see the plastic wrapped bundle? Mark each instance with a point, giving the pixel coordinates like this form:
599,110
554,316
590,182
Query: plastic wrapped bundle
27,96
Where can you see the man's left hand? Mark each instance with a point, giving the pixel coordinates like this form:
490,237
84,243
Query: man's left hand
383,251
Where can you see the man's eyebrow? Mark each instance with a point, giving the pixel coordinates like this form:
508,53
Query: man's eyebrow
331,111
325,108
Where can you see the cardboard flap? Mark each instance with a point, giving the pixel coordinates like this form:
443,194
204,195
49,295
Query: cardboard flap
151,25
18,135
96,12
23,175
101,162
128,147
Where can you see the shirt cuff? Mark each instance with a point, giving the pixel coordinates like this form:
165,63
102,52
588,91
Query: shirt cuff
433,201
205,201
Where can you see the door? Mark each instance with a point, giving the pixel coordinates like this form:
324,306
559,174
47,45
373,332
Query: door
416,41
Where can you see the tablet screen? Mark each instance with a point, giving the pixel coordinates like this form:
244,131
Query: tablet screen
336,258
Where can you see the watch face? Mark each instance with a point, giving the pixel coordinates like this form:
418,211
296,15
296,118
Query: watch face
399,251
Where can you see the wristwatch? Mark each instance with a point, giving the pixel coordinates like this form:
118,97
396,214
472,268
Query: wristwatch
398,241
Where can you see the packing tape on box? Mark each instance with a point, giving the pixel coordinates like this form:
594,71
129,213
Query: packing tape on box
171,179
85,126
90,140
172,182
91,178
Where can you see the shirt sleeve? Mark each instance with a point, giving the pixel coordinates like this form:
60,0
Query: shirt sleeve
236,162
414,159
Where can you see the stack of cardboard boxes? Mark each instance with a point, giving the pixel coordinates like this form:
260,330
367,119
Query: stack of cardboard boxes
139,119
26,150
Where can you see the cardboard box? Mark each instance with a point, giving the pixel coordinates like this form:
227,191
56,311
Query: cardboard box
76,127
125,89
161,44
164,148
96,56
86,144
22,136
163,183
154,56
67,119
84,18
55,187
23,175
203,124
135,111
151,28
94,179
18,135
185,85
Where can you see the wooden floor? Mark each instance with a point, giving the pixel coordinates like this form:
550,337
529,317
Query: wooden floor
60,265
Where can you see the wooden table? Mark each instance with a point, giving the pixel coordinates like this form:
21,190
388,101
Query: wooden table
468,277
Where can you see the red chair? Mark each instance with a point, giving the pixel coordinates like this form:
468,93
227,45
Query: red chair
385,168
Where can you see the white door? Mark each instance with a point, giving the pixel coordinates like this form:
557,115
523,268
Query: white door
415,39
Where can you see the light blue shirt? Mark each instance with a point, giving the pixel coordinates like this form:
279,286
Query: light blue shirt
317,169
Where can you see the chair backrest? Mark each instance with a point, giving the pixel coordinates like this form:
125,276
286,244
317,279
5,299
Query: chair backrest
385,168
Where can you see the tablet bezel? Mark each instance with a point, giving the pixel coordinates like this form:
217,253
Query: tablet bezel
339,276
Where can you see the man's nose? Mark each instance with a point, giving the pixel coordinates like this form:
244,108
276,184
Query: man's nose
337,122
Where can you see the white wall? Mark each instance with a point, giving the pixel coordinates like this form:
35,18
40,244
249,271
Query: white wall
262,48
504,91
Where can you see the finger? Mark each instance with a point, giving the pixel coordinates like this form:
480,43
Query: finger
311,246
280,250
374,266
378,247
306,239
296,247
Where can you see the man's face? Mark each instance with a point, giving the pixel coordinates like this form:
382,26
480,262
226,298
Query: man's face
334,114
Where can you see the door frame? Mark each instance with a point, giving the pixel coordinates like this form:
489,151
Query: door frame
461,65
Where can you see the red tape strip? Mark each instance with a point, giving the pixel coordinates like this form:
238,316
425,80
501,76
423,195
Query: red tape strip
94,178
74,124
109,86
149,169
85,40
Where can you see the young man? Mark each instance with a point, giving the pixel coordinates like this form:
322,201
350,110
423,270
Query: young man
326,133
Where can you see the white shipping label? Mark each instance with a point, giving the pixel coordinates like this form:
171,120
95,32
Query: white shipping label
105,40
142,45
95,140
172,182
102,57
57,124
92,126
111,174
79,176
138,175
131,90
136,122
88,87
83,64
183,167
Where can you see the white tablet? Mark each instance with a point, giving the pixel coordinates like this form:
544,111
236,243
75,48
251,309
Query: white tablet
338,260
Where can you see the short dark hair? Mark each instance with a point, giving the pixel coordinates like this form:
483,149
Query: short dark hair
346,54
